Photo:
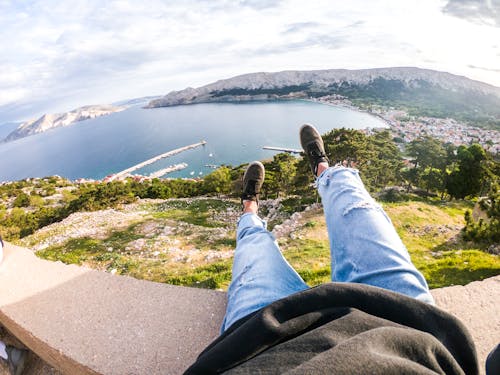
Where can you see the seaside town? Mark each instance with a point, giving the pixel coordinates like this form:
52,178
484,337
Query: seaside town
406,128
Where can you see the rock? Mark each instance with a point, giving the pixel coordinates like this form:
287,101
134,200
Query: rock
494,249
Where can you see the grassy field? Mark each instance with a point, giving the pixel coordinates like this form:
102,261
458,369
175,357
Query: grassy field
430,231
183,242
191,241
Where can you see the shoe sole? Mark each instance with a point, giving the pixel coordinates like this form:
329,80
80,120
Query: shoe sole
260,166
308,126
315,138
256,163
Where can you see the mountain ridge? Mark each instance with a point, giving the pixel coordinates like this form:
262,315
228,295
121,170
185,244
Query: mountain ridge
321,79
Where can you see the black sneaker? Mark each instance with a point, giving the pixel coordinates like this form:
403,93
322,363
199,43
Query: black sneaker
16,359
313,146
252,181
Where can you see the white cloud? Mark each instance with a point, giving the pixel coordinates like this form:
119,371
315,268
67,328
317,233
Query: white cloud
478,11
59,55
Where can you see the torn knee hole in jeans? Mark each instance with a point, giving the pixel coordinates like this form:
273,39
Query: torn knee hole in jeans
325,180
359,205
241,279
348,189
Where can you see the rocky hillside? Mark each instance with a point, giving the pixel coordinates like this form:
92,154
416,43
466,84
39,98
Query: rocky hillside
191,241
435,93
56,120
259,84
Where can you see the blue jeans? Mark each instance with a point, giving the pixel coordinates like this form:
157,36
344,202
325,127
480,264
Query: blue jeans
364,248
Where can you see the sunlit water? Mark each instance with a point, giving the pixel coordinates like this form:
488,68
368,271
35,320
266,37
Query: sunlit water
235,134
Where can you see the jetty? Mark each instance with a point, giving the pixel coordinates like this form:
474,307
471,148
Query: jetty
282,149
213,166
169,169
154,160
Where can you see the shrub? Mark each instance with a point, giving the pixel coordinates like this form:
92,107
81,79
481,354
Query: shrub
485,230
393,195
22,200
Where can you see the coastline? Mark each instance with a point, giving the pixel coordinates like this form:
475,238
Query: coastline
141,125
350,107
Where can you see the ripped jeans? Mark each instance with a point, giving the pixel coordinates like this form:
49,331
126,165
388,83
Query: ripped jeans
364,248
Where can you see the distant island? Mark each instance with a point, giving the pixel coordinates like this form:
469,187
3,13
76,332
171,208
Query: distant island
56,120
421,92
51,121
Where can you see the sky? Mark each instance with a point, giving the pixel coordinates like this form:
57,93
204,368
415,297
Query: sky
59,55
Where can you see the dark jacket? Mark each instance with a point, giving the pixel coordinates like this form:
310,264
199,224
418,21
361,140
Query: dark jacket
342,328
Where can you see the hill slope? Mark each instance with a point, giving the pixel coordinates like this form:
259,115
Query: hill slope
191,241
427,92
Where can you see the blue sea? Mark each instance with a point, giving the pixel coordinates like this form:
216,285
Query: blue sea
235,134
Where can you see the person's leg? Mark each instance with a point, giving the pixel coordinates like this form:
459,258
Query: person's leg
365,247
260,274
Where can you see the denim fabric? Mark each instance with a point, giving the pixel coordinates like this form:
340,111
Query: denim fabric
364,248
364,245
260,273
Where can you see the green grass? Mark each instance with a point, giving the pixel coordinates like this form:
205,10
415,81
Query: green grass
213,276
444,261
74,251
296,203
112,253
310,258
198,218
118,239
459,268
197,212
91,252
95,251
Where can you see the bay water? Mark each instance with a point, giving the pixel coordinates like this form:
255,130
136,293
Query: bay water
235,134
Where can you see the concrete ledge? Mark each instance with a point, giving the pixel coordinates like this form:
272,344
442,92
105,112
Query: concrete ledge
477,305
82,321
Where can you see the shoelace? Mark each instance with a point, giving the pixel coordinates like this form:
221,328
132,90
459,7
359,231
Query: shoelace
250,193
315,152
251,188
